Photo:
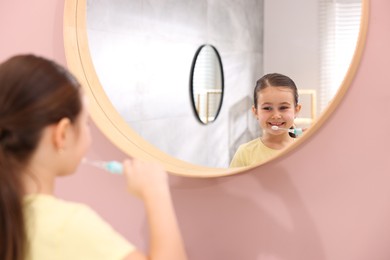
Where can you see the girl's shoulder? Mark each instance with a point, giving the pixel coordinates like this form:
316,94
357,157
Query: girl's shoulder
49,201
49,207
251,144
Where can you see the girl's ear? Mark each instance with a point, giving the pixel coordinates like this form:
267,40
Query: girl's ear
254,111
298,108
60,134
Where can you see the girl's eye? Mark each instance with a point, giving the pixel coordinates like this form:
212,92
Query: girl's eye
267,108
284,107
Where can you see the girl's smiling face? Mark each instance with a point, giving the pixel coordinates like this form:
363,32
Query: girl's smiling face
275,107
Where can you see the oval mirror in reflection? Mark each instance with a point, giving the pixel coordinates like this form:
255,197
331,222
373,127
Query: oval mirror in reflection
206,83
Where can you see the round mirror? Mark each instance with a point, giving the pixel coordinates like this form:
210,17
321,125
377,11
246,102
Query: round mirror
134,60
206,83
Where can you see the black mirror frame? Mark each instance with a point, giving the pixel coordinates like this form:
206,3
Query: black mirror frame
192,82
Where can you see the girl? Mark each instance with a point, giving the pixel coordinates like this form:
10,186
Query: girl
275,106
44,134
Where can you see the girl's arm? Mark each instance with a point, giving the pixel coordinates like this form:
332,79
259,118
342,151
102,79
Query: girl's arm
149,183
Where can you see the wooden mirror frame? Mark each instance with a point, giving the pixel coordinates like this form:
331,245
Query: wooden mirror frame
114,127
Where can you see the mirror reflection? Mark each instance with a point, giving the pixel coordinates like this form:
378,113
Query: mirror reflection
206,83
142,52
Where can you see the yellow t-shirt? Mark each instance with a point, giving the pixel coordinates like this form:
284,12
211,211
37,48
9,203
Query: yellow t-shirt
58,229
253,152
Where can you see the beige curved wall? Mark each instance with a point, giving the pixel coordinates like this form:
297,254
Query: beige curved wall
327,200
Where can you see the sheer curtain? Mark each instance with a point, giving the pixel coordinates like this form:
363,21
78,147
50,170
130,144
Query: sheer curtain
339,29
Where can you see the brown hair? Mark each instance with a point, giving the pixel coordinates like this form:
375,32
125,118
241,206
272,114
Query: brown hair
34,93
275,80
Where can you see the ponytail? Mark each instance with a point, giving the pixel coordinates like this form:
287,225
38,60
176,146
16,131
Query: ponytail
12,226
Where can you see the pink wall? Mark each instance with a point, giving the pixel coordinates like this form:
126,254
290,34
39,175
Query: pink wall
327,200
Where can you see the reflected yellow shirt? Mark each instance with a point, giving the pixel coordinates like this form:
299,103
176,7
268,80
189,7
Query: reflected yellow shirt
57,229
251,153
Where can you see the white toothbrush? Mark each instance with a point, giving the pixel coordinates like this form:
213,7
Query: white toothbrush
110,166
296,131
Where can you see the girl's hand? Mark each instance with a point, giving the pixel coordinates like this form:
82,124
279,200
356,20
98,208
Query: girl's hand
144,179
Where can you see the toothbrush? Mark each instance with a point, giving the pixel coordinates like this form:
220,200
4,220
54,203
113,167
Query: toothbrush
296,131
110,166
